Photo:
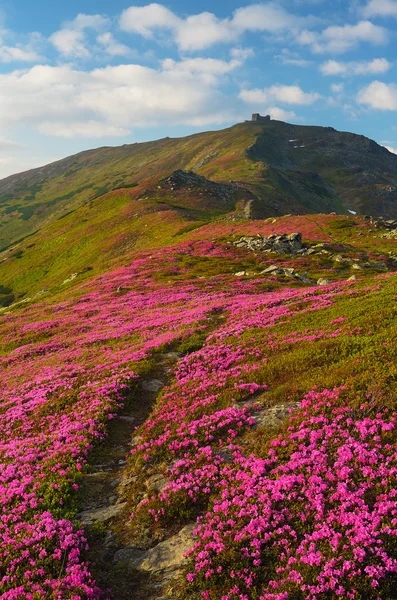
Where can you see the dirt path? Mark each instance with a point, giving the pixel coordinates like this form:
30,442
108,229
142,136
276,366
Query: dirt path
103,506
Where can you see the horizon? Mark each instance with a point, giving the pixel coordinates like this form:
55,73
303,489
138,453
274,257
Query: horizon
90,75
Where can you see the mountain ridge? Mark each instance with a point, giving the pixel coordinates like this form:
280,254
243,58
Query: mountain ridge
326,171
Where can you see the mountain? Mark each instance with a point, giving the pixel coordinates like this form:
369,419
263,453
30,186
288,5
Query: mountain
80,214
282,168
199,396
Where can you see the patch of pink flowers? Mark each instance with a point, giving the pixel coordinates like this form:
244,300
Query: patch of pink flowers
315,519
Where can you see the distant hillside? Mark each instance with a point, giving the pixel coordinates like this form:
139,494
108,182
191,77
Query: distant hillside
284,168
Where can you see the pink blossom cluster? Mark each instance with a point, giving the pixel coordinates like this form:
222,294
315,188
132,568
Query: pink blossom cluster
316,518
64,371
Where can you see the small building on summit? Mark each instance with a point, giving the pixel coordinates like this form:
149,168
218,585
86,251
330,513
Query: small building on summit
258,117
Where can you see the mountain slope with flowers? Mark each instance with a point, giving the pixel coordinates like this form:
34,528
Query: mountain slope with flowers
193,395
282,168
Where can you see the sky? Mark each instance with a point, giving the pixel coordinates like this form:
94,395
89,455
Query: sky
80,74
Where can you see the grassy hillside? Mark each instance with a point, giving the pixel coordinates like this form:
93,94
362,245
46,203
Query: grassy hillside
321,170
162,334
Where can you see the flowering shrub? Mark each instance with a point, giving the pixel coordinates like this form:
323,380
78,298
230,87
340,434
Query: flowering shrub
316,518
313,516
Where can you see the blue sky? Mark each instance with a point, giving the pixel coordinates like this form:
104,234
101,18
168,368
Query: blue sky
87,73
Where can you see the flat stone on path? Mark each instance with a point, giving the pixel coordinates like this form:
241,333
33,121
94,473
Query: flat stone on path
102,514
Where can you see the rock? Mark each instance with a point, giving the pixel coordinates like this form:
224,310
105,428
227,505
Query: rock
357,267
157,482
166,556
303,277
379,265
153,385
101,514
270,269
127,419
289,271
240,274
323,281
274,416
169,555
352,278
132,557
342,260
280,243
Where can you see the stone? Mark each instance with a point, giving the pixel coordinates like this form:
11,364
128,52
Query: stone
379,265
132,557
357,267
303,277
270,269
352,278
169,555
240,274
127,419
274,416
157,482
101,514
323,281
166,556
152,385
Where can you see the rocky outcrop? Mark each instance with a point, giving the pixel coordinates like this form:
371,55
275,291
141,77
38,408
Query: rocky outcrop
281,243
381,223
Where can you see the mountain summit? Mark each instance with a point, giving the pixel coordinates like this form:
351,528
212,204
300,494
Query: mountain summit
273,167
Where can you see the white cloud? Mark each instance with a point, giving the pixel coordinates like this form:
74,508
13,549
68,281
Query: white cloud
110,101
146,19
391,149
286,94
333,67
340,39
279,114
111,46
201,31
378,95
17,54
381,8
264,17
198,32
337,87
70,40
207,66
88,129
287,57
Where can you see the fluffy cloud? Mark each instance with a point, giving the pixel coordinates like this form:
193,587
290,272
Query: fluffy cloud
279,114
111,46
340,39
64,101
381,8
70,41
378,95
146,19
17,54
200,31
211,67
286,94
333,67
